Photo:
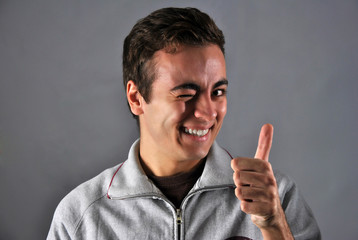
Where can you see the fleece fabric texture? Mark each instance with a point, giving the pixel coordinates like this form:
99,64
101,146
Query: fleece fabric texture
123,203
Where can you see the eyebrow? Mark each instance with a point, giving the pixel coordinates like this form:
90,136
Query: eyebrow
186,86
221,82
196,87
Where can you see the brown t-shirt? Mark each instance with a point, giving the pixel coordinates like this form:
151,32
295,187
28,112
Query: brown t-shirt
176,187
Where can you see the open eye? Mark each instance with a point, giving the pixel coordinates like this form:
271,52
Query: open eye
219,92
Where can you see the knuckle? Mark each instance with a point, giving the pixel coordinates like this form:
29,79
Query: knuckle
239,193
269,180
234,164
266,166
272,181
272,195
237,180
245,207
266,180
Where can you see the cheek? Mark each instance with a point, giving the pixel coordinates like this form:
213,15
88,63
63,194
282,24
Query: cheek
175,112
222,108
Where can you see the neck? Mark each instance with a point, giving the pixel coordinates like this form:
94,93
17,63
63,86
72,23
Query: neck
164,167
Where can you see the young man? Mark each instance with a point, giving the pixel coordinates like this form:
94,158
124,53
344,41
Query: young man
177,183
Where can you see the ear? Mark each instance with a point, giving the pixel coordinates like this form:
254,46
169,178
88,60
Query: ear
135,99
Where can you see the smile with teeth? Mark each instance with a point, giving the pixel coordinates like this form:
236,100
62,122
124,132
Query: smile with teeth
196,132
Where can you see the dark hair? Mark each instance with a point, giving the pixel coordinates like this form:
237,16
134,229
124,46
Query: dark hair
166,28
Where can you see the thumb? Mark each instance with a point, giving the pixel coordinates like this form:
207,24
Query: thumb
265,142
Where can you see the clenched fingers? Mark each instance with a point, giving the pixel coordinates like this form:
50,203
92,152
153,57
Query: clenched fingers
254,194
253,179
250,164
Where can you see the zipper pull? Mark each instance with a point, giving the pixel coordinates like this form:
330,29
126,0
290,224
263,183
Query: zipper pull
179,218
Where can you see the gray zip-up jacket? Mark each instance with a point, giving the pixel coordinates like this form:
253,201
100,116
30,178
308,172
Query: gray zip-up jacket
122,203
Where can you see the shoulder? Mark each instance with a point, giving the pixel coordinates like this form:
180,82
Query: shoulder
88,192
283,180
287,187
299,215
73,206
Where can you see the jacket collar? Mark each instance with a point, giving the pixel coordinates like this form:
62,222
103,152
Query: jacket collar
131,181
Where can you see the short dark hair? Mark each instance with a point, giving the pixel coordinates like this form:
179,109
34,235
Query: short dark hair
164,28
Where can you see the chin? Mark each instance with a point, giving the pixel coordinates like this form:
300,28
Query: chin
197,154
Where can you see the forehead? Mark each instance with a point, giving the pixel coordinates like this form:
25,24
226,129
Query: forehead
203,65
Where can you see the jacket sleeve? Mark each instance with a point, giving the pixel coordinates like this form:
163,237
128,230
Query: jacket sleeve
58,231
299,215
60,228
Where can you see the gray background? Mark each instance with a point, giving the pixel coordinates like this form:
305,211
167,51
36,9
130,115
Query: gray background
64,119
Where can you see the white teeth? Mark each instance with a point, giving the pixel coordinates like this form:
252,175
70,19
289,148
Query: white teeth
196,132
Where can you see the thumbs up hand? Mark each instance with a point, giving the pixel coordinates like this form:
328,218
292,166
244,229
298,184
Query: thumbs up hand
256,187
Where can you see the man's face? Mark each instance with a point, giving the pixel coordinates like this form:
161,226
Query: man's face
187,105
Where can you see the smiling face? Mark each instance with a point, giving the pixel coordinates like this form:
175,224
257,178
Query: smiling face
186,109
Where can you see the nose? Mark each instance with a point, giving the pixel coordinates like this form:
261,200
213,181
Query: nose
205,108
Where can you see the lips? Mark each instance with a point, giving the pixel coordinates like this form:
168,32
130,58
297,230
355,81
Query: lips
196,132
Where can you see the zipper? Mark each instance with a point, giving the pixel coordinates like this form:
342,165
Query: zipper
179,211
179,221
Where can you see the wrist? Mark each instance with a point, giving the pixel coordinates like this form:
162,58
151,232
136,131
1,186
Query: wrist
275,227
277,232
